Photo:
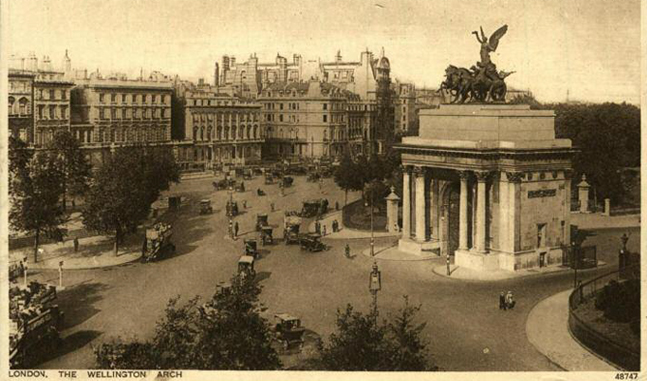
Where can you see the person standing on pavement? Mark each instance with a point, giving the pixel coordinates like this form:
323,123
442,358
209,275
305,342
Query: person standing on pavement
76,244
347,251
324,230
502,305
509,300
236,230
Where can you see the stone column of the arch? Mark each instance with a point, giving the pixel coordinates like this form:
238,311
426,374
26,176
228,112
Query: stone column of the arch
421,226
434,208
406,202
462,217
514,210
481,194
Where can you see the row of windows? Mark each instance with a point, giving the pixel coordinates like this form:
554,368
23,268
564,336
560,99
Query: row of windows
220,133
22,107
52,94
148,134
52,112
133,98
209,102
226,117
136,113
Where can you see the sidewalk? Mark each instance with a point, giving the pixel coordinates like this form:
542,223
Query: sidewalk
345,233
94,252
599,221
462,273
547,330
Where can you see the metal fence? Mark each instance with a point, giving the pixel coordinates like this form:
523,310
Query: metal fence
611,349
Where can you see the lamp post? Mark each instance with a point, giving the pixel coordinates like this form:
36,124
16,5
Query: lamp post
60,275
231,211
575,258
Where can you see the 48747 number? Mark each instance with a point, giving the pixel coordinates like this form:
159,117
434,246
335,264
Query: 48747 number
626,376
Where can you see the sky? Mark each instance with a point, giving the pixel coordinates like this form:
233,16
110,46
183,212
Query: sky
589,49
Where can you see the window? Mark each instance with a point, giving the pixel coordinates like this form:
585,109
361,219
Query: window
63,94
52,112
123,98
23,106
113,98
325,106
52,94
101,116
281,106
101,98
11,101
281,118
113,114
40,111
325,118
134,98
64,112
154,99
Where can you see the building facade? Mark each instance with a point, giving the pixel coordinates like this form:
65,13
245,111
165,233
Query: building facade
308,119
20,104
215,129
39,99
112,110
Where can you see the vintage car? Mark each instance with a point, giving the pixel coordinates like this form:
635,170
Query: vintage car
312,243
251,248
246,266
288,331
287,181
205,207
261,220
291,226
157,242
266,235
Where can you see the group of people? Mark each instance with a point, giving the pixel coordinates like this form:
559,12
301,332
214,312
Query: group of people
321,228
506,301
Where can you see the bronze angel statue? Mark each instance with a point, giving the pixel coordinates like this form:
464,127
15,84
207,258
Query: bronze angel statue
482,82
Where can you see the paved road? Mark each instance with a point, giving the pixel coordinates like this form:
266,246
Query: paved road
465,328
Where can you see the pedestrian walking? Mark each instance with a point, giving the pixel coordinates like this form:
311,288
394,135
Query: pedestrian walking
76,244
144,246
317,227
244,204
502,305
236,229
272,206
509,300
347,251
334,226
231,229
324,230
336,205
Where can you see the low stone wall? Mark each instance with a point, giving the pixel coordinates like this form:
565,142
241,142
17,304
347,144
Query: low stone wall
613,351
349,210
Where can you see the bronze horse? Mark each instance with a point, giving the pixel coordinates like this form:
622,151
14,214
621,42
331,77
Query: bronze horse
473,85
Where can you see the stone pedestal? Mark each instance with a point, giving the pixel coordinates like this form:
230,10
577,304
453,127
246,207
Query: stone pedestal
607,207
392,212
583,195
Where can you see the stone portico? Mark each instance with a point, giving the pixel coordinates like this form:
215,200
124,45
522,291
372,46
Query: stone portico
488,184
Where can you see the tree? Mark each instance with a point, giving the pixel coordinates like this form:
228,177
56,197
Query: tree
36,186
76,169
608,136
346,175
124,189
227,333
363,343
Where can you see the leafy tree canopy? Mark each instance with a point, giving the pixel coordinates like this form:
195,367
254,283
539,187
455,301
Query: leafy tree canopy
364,343
226,333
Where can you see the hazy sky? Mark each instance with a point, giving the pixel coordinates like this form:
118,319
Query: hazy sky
590,47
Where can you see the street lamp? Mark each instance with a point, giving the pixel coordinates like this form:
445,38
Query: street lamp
231,211
575,258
